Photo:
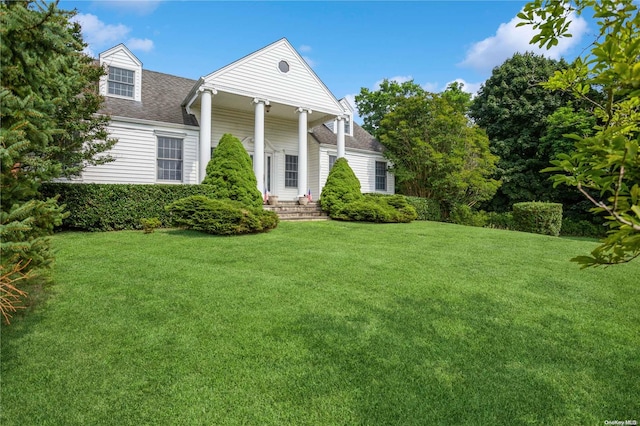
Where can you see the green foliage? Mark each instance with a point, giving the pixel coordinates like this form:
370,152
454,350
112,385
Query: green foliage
426,209
436,153
150,224
231,175
513,108
374,105
220,217
24,231
342,187
581,228
49,126
538,217
462,214
112,207
502,220
604,166
381,208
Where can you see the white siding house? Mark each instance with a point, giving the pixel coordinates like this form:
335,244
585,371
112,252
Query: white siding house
287,119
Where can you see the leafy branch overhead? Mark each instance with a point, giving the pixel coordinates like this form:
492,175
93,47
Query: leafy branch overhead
604,166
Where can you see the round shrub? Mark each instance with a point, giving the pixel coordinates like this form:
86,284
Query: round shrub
342,187
377,208
538,217
220,217
231,175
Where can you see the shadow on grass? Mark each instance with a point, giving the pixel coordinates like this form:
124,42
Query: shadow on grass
424,362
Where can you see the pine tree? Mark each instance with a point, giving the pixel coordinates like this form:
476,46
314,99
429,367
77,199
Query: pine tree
231,175
49,127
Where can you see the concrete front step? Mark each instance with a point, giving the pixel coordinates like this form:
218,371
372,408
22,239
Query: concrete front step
291,210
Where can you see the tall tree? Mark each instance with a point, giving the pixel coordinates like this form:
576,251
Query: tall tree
374,104
436,152
49,126
604,166
513,108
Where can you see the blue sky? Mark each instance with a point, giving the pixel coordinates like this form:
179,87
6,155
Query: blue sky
349,45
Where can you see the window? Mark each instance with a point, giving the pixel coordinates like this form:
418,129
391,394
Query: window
381,176
283,66
291,171
121,82
332,161
169,159
347,125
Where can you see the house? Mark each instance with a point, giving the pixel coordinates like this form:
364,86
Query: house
291,125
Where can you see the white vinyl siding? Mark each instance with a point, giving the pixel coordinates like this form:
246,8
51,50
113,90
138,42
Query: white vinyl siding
363,165
258,73
120,57
136,154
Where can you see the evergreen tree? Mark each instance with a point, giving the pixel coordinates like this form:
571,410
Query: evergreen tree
231,175
342,187
49,127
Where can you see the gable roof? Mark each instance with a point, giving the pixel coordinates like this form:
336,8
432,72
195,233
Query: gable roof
361,139
258,75
162,95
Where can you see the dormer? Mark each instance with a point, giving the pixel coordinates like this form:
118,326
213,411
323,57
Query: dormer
348,119
348,113
124,74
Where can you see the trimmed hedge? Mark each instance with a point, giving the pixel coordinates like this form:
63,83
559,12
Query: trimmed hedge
426,208
112,207
220,217
538,217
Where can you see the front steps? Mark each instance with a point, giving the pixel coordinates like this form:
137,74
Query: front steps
291,210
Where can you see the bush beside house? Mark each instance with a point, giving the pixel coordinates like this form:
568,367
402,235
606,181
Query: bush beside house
230,173
114,207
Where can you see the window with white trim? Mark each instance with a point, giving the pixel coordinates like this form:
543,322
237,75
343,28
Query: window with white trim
381,176
332,160
169,159
121,82
291,171
347,125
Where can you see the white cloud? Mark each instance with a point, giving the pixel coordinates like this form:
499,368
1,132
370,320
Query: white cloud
99,35
466,86
144,45
304,48
431,87
509,39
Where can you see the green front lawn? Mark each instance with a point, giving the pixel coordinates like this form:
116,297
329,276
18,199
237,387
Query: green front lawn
326,323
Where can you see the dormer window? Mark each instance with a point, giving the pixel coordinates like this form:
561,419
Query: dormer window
121,82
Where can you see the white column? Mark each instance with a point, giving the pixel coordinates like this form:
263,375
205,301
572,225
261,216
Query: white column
258,143
302,151
205,131
340,124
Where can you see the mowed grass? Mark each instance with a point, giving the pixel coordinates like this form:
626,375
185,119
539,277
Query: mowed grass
326,323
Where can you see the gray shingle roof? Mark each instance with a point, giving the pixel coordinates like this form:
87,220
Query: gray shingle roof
361,139
162,95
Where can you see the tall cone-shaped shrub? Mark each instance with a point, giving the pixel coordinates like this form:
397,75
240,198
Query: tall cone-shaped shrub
342,187
230,173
